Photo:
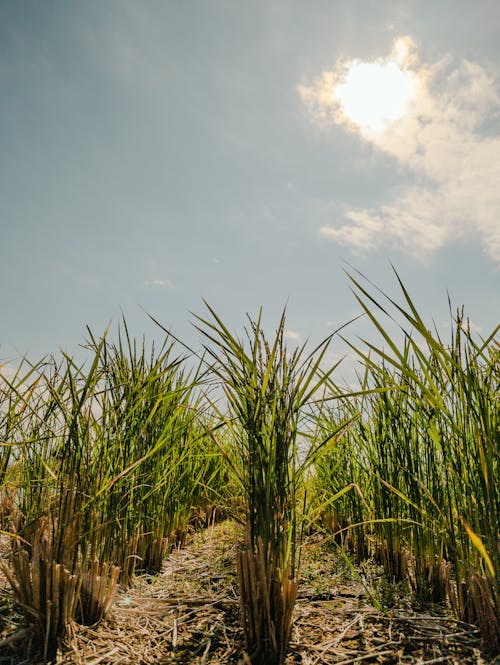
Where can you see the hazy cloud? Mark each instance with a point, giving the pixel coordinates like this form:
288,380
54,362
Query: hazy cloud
293,335
444,143
471,327
159,283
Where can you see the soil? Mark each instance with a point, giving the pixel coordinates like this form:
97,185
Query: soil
189,614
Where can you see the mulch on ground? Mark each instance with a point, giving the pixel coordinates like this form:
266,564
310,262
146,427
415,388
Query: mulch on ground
190,615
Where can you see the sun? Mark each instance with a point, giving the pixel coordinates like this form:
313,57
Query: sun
373,95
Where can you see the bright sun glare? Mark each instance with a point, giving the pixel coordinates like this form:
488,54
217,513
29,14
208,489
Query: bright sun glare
375,94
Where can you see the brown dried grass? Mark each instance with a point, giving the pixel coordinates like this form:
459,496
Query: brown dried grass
189,615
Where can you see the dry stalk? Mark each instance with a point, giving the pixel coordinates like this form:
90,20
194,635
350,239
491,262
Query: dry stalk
486,601
267,599
53,595
99,584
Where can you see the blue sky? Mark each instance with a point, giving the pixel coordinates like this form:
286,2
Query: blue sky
153,154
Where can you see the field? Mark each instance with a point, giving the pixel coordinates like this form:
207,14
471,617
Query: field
239,505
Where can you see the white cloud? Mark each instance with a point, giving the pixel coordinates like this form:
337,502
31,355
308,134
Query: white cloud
441,144
159,283
471,326
293,335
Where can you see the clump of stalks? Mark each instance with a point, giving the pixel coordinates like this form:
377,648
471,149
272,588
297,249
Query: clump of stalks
16,389
268,390
340,483
107,462
53,576
150,426
428,441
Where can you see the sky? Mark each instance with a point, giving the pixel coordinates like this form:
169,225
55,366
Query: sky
155,154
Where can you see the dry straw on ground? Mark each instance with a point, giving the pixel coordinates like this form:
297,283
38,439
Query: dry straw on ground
190,615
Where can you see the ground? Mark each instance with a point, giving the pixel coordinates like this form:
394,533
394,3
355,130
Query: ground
190,615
